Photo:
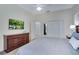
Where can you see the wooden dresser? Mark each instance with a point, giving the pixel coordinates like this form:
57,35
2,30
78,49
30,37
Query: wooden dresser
12,42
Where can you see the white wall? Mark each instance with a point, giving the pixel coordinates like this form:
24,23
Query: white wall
63,15
75,12
15,12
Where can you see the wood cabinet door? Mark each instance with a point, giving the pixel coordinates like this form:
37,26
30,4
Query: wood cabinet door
11,43
14,41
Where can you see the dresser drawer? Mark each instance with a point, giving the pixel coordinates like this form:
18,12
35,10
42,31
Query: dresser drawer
12,42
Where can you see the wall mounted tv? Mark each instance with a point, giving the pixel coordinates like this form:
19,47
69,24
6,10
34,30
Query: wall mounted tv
16,24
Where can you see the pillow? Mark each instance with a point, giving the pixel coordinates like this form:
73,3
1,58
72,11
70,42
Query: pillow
74,42
76,35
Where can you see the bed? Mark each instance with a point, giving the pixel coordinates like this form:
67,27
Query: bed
47,46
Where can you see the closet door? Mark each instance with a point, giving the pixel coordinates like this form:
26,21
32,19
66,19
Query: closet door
54,29
36,29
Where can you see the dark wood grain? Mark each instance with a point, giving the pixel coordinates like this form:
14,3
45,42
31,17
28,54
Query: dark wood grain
12,42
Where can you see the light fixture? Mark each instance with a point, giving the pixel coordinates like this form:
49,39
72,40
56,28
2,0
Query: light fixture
72,26
72,29
38,8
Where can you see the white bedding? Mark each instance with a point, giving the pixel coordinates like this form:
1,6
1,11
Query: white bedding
47,46
74,42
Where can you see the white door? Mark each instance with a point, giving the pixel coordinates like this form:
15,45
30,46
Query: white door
36,29
55,29
39,28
